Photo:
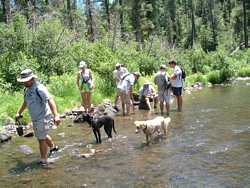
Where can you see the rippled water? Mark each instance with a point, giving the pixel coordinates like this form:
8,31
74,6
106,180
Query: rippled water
208,146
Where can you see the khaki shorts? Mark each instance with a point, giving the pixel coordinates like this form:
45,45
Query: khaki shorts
41,127
124,96
164,96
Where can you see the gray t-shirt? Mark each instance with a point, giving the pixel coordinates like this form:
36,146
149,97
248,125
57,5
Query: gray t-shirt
159,80
36,98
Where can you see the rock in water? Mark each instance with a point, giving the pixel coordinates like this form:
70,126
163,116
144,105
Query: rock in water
25,149
4,137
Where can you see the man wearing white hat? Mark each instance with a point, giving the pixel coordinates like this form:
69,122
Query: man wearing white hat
125,88
117,75
40,105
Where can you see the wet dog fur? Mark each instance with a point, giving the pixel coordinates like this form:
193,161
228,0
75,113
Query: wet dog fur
96,123
150,127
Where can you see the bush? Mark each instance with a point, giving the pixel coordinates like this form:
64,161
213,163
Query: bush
244,72
214,77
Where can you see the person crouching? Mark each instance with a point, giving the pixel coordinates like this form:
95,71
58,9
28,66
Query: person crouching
146,95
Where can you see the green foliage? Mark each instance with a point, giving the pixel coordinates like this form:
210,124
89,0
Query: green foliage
244,71
214,77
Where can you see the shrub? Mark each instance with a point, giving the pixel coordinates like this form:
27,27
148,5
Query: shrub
214,77
244,72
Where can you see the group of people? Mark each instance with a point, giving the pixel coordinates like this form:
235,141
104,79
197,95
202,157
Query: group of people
166,84
41,105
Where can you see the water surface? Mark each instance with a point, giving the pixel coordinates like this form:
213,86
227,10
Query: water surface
208,146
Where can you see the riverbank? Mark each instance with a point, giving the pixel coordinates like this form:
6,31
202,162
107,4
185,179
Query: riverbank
67,95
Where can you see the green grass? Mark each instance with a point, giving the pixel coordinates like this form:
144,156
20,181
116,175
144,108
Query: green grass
244,71
196,78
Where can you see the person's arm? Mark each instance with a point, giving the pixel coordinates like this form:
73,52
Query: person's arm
78,80
53,109
177,72
20,110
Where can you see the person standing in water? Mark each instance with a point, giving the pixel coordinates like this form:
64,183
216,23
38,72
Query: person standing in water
177,83
161,79
117,75
40,105
85,84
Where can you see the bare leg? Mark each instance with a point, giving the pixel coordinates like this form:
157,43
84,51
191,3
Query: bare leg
49,141
161,107
43,149
148,103
82,98
88,96
123,103
179,103
167,108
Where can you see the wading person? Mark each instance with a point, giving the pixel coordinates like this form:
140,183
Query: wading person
146,95
85,84
40,105
177,83
161,79
125,88
117,75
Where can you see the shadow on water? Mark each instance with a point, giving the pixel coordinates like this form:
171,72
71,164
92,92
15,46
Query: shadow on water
22,167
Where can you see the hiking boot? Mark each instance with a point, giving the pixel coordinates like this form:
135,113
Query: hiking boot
53,150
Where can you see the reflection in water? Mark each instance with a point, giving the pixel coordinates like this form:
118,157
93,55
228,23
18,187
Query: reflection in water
208,146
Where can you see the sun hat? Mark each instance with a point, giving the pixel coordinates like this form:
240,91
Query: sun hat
137,73
82,64
26,75
163,67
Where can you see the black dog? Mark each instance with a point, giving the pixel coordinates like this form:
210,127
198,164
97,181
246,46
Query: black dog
97,123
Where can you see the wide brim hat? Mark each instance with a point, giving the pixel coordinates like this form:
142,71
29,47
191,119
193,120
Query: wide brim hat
82,64
26,75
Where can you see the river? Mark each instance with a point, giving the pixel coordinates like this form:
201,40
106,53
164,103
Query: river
208,146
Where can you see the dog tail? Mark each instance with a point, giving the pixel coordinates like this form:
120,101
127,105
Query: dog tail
113,126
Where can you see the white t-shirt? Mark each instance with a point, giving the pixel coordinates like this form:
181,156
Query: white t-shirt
117,74
178,81
126,83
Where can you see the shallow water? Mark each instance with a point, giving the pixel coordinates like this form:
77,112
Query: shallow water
208,146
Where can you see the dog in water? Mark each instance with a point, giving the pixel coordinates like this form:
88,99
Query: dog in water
97,122
151,127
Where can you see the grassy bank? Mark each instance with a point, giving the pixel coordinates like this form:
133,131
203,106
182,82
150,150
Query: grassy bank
66,94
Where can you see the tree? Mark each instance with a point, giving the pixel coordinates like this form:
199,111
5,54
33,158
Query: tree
107,10
6,10
69,12
90,20
136,22
245,23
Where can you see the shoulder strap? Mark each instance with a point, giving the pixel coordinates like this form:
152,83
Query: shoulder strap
125,76
38,94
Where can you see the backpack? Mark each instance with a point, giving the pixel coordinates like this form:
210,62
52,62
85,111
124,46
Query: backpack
183,73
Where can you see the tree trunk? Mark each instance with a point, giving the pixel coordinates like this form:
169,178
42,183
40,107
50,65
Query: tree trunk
193,24
90,21
74,4
245,23
121,20
106,4
69,12
6,10
136,20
